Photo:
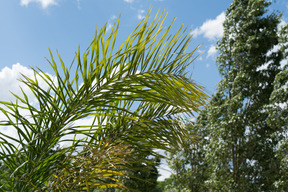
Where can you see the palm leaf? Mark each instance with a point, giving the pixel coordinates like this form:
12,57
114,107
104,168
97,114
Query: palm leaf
134,95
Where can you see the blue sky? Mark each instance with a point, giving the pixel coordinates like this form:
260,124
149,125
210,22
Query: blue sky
29,27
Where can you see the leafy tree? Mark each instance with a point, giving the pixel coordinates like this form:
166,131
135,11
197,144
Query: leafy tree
241,150
162,184
278,113
132,97
143,177
238,148
190,169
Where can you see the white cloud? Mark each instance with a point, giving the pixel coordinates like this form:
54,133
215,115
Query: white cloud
282,23
110,23
44,3
129,1
109,26
164,171
211,29
212,51
9,82
140,14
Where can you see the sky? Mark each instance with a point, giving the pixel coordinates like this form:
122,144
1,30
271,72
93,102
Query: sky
30,27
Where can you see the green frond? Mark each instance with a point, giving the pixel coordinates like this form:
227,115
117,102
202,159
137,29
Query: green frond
134,95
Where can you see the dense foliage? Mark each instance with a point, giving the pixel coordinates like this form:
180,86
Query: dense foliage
243,129
278,113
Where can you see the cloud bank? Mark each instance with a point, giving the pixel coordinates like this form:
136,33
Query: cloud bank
9,82
211,29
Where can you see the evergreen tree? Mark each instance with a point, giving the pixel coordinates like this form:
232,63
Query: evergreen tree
241,149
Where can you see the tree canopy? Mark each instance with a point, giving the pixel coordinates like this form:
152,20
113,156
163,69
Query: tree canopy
245,121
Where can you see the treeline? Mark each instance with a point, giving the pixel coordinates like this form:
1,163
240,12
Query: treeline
243,130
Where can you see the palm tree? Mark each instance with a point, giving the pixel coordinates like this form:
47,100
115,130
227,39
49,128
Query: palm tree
132,99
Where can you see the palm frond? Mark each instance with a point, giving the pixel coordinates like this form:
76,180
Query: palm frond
133,94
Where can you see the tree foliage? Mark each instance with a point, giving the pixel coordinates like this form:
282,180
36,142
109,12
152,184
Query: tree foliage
188,165
244,123
129,99
241,150
278,113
